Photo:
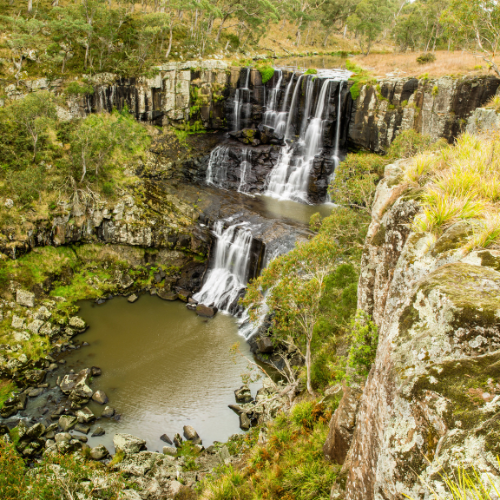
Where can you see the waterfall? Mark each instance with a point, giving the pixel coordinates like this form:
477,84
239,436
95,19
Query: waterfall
289,179
242,101
336,152
293,105
217,166
271,115
229,274
245,168
282,115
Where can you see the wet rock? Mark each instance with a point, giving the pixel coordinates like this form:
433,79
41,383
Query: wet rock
84,416
52,367
62,436
265,345
190,433
35,431
100,397
13,405
245,422
178,440
170,450
184,295
95,371
133,298
34,393
243,394
77,323
128,443
82,439
108,412
84,429
98,452
25,298
66,422
167,295
205,311
166,439
98,431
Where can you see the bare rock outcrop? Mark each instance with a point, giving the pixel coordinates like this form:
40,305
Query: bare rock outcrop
432,397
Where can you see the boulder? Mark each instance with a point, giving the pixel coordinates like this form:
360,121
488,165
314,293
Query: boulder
224,455
98,431
190,433
128,443
184,295
170,450
95,371
77,323
100,397
35,377
108,412
243,394
66,422
84,416
62,436
245,422
84,429
166,439
167,295
178,440
17,322
35,431
265,345
99,452
25,298
205,311
133,298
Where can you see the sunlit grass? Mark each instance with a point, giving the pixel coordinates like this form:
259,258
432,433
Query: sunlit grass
494,103
461,183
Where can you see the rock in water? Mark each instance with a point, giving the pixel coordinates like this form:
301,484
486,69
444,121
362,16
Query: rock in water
205,311
243,394
133,298
99,452
245,423
167,295
178,440
170,450
98,431
100,397
66,422
128,443
166,439
190,433
108,412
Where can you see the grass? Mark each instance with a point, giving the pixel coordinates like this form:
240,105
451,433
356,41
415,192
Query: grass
360,77
460,183
6,389
405,64
494,103
290,465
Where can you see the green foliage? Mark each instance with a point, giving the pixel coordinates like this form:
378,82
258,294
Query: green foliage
359,78
77,88
267,72
435,90
311,71
426,58
6,389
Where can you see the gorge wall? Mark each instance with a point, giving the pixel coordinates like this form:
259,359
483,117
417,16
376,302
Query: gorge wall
431,398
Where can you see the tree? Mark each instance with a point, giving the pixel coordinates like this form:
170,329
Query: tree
333,12
35,113
369,21
477,23
294,284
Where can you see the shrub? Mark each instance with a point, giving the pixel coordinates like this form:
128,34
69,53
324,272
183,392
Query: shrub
311,71
77,88
266,72
426,58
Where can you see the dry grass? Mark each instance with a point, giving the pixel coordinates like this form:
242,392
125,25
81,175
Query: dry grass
447,63
494,103
460,183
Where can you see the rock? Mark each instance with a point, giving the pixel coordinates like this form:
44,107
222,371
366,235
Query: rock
133,298
205,311
224,455
175,488
84,416
82,439
167,295
8,203
35,431
77,323
25,298
184,295
128,443
99,452
243,394
34,393
245,422
108,412
95,371
178,440
35,377
166,439
100,397
17,322
62,436
170,450
98,431
126,281
52,367
34,326
84,429
129,495
190,433
342,425
265,345
66,422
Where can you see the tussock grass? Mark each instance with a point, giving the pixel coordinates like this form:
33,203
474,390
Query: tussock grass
494,103
460,183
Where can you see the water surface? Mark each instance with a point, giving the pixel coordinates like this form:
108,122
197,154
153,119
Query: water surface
162,367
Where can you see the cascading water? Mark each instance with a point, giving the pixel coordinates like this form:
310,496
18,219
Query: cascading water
217,166
289,180
271,115
241,102
336,152
281,120
229,274
245,169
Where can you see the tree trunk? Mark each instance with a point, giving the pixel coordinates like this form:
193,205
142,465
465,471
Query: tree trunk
224,19
308,367
170,41
307,34
325,41
30,5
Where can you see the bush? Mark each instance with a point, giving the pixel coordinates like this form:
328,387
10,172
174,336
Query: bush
267,72
426,58
311,71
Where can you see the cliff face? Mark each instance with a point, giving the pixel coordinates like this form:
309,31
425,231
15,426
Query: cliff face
439,108
432,397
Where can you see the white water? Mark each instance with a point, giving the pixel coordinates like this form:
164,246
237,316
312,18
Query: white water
245,169
289,179
217,166
229,274
242,102
336,152
283,114
271,114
